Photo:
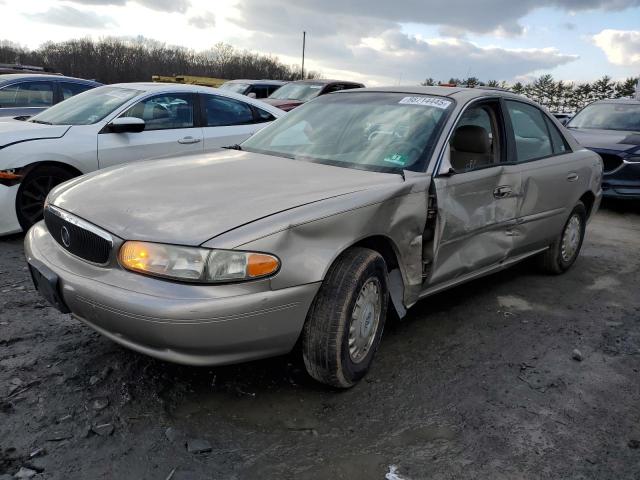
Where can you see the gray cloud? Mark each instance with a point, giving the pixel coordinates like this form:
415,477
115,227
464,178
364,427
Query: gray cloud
481,18
206,20
72,17
169,6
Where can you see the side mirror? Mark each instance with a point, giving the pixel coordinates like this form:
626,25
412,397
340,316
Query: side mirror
252,95
126,125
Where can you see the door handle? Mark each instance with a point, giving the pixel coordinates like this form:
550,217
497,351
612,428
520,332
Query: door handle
188,140
572,177
502,191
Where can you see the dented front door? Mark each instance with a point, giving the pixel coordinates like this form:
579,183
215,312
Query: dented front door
476,212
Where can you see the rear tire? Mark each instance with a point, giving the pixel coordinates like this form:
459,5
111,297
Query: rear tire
563,253
346,319
34,190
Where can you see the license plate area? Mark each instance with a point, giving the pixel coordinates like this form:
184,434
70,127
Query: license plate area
48,284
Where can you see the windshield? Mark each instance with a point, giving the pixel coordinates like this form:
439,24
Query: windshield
87,107
368,130
235,87
608,116
297,91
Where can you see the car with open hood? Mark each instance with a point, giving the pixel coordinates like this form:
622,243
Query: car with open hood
352,207
110,125
611,128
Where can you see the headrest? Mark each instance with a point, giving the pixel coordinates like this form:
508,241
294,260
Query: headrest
472,139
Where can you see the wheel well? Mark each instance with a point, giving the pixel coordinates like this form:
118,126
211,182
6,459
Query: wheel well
384,247
72,170
588,199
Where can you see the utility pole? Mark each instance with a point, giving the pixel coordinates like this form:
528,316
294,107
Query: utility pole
304,40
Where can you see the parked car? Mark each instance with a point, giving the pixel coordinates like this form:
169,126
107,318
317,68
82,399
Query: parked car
30,94
111,125
314,228
253,88
294,94
562,117
611,128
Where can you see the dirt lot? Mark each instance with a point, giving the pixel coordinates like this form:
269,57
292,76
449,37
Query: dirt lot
478,382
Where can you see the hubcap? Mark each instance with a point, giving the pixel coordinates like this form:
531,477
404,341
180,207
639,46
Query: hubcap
571,238
364,320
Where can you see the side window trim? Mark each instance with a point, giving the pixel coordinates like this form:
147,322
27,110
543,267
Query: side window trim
502,130
546,121
189,95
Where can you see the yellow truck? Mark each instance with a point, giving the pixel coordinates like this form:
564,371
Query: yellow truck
190,79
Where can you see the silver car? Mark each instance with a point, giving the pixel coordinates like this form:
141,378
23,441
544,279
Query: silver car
348,210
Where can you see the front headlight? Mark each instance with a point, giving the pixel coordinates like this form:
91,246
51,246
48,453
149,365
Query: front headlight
194,264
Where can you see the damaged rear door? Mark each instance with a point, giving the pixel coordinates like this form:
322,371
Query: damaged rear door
476,195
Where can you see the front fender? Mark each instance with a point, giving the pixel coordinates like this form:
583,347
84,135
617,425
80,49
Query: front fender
307,250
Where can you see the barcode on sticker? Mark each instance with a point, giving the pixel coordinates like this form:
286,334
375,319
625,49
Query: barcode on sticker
426,101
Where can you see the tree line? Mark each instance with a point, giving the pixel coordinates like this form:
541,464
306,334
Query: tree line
113,60
557,96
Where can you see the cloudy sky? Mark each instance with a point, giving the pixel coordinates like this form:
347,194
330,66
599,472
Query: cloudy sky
376,41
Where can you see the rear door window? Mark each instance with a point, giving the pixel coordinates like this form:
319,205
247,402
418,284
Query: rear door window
532,136
27,94
222,111
68,89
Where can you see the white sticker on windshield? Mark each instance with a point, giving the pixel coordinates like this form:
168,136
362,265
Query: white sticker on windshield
426,102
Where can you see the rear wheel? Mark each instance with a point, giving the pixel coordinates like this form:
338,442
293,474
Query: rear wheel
34,190
562,254
345,322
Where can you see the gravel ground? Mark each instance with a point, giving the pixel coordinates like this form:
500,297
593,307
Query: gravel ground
478,382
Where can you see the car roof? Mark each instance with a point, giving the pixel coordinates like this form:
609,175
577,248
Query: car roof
257,82
457,93
325,81
8,77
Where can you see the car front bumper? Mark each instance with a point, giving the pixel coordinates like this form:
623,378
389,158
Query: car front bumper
624,182
8,220
182,323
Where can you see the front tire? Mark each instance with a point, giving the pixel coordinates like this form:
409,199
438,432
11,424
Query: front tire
346,319
563,253
34,190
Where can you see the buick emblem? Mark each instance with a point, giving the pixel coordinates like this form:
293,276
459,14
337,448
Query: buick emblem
65,236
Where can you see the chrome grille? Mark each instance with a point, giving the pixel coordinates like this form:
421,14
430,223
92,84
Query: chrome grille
78,237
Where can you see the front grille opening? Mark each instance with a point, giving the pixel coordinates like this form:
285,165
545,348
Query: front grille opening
78,241
611,161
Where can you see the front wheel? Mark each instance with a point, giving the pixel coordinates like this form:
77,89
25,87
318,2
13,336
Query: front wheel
562,253
33,192
345,322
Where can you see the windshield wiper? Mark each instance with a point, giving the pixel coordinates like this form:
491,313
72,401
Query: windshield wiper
233,147
41,121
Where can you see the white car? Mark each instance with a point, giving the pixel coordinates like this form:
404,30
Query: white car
113,124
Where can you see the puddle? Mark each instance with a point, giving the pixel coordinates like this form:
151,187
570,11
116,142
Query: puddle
511,302
604,283
266,411
420,435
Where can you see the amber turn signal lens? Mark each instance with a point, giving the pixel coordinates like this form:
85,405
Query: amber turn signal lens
260,265
8,175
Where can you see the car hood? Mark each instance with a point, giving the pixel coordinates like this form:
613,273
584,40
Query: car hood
286,104
189,200
17,131
614,140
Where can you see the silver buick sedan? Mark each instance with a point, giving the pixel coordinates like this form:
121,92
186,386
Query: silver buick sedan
346,211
